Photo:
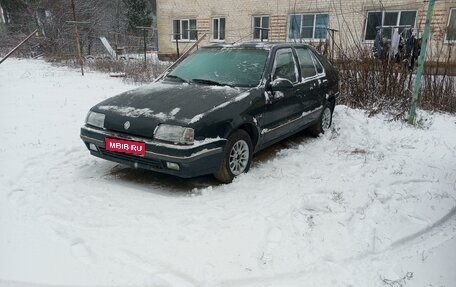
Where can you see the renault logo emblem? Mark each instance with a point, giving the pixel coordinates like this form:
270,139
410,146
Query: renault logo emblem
127,125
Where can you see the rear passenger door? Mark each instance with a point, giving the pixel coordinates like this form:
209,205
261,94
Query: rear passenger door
311,86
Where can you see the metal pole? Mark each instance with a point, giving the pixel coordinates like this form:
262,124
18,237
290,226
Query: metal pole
196,39
177,46
145,48
145,28
117,45
332,46
421,59
17,47
81,63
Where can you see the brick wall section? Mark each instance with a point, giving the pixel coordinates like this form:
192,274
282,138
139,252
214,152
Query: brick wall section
436,47
203,25
278,28
439,20
348,16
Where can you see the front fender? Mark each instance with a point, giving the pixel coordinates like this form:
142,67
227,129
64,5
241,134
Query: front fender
221,121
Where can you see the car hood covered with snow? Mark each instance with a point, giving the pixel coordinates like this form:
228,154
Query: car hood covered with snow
163,102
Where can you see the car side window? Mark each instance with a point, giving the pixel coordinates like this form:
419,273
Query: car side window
318,65
284,66
306,62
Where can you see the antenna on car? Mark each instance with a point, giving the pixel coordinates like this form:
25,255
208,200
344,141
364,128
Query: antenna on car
242,38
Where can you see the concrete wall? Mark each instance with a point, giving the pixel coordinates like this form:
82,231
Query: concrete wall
347,16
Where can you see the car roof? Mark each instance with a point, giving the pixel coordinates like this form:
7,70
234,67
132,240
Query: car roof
255,45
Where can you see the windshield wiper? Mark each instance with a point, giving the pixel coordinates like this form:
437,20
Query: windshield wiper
210,82
177,77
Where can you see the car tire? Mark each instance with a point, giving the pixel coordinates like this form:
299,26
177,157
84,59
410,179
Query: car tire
237,156
324,122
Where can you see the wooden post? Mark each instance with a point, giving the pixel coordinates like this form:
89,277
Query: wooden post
145,47
78,45
332,31
177,45
117,45
145,41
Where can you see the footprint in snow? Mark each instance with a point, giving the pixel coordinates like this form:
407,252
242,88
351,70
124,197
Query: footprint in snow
17,196
82,252
272,240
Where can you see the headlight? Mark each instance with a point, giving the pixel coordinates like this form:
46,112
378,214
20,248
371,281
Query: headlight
95,119
175,134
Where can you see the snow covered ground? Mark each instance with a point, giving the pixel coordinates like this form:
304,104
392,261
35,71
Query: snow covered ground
371,203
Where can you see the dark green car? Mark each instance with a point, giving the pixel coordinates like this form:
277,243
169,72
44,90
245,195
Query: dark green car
215,109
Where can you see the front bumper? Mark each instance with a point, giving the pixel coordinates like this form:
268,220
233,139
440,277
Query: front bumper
201,158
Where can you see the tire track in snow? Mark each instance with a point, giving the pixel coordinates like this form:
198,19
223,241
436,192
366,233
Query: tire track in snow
413,180
28,197
429,237
64,231
275,279
158,270
426,236
29,174
447,220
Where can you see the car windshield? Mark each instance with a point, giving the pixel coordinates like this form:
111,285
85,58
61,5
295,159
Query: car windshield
222,66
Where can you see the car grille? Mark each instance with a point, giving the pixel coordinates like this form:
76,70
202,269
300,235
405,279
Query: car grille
152,163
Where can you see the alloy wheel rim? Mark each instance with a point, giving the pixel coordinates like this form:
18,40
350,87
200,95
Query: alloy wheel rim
239,157
326,120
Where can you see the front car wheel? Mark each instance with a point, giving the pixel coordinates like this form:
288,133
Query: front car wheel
237,156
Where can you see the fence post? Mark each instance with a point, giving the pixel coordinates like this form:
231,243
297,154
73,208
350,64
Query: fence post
81,62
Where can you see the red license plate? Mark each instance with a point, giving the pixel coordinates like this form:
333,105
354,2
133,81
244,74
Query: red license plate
125,146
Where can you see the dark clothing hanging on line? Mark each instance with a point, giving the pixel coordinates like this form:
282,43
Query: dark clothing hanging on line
407,49
378,49
413,49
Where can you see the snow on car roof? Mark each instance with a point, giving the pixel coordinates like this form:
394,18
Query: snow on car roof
253,45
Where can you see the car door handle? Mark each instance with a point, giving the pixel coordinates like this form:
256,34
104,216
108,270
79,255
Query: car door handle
314,85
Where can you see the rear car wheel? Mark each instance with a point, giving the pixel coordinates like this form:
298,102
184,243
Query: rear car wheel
237,156
324,123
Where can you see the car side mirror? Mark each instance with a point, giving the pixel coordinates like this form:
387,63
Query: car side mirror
280,85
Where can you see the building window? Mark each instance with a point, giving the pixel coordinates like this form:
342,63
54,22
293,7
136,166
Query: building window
308,26
185,30
388,20
218,29
260,28
451,29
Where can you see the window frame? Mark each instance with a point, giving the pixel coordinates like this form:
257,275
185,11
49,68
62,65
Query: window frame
295,61
315,62
398,20
261,24
446,40
218,29
314,27
189,33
